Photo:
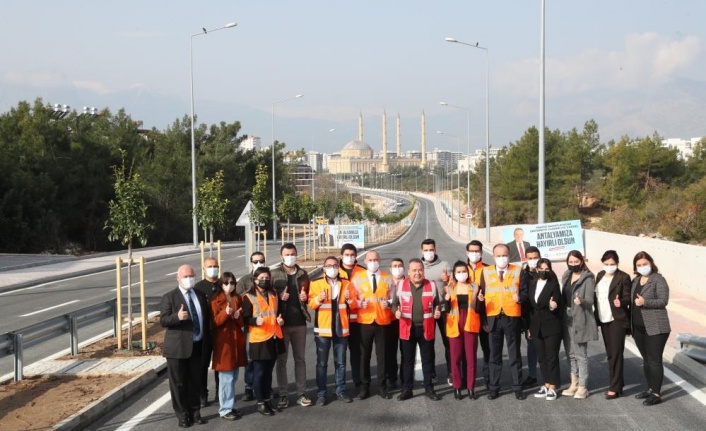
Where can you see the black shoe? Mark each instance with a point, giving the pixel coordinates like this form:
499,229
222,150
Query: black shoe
405,395
383,394
493,395
184,423
528,382
472,394
457,394
238,414
198,420
363,394
248,396
432,395
520,395
434,379
264,409
612,396
344,398
644,395
652,400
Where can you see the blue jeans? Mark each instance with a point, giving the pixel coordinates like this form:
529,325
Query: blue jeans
323,345
226,390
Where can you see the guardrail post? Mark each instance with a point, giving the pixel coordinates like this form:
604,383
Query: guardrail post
17,347
73,335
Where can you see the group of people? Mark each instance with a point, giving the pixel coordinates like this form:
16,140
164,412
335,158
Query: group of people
256,321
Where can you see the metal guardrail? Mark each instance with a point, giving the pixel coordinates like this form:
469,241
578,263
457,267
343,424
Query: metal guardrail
14,343
693,346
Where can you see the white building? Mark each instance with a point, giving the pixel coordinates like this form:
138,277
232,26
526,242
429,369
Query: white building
315,160
469,163
250,143
685,146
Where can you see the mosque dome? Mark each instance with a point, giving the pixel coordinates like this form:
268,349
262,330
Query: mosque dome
356,149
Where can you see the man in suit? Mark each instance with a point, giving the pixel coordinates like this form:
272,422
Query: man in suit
326,239
518,247
185,313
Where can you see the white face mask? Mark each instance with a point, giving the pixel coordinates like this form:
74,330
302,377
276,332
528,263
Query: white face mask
644,270
187,282
474,256
331,272
397,271
373,266
532,263
429,256
228,288
610,269
290,260
461,277
348,260
212,272
256,266
501,262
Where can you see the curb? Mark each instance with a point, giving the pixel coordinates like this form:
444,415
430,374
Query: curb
94,411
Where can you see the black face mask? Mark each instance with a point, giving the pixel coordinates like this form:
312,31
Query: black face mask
263,284
543,274
574,268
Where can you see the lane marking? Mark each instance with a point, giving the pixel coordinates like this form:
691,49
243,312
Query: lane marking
133,284
50,308
171,273
145,413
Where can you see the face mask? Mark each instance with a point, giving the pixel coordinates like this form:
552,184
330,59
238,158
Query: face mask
532,263
228,288
263,284
473,256
212,272
429,256
461,277
397,272
373,266
610,269
290,260
543,274
331,272
348,260
501,262
644,270
256,266
574,268
188,282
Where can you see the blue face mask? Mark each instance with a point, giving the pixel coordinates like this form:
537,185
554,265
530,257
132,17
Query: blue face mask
644,270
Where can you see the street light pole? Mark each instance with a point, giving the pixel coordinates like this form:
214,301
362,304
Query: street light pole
468,161
274,208
487,132
193,136
541,190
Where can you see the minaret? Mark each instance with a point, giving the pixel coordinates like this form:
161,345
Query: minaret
423,164
399,137
360,127
384,167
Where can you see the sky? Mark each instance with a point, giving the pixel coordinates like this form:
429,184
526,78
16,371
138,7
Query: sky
636,67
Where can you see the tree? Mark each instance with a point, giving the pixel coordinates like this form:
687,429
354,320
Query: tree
289,207
261,199
128,222
211,205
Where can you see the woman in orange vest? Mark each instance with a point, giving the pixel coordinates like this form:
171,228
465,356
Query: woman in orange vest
264,326
462,328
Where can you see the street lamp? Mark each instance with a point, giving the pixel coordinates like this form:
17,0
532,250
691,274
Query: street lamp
193,139
541,185
487,132
274,209
468,158
458,182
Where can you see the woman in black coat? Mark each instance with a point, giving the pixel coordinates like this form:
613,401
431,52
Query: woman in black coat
546,326
612,300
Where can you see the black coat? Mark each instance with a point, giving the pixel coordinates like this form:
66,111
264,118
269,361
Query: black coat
619,285
178,338
543,321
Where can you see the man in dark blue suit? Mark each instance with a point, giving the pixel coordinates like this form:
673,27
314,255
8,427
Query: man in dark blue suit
186,315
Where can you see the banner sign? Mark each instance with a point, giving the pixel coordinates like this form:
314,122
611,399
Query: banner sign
334,236
554,240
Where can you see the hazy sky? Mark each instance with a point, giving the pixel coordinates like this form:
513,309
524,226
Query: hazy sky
635,66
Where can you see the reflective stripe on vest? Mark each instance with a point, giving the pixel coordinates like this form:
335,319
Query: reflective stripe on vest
498,294
269,328
406,306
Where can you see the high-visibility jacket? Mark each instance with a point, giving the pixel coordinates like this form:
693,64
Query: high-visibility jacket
404,294
323,324
498,294
475,272
267,309
374,311
472,323
343,275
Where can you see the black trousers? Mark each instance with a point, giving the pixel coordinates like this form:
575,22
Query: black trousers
354,349
441,323
377,334
185,383
392,347
651,348
548,357
484,341
206,351
409,351
262,379
508,329
614,340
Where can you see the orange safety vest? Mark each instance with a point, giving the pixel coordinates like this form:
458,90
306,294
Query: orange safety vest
404,295
472,318
475,273
498,294
374,311
262,308
343,275
323,325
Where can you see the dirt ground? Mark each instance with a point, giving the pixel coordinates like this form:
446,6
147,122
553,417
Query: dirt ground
39,402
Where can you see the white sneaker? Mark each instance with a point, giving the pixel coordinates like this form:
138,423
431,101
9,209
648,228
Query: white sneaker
542,392
551,395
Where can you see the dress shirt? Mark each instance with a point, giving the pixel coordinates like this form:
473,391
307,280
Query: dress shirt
604,312
540,287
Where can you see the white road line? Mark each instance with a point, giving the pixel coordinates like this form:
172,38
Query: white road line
145,413
133,284
50,308
171,273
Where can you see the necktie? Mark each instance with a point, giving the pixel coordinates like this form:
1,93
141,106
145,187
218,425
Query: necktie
501,275
375,283
194,315
522,251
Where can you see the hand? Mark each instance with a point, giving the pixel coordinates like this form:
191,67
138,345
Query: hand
481,297
284,296
444,275
486,328
303,296
447,296
259,321
280,320
398,314
229,310
639,300
347,294
183,314
577,300
437,313
516,297
384,304
237,313
529,335
616,301
364,303
552,304
322,296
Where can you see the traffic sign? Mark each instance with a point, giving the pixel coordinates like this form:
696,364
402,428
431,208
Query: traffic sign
244,218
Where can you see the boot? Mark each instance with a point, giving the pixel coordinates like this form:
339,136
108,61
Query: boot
571,390
581,393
